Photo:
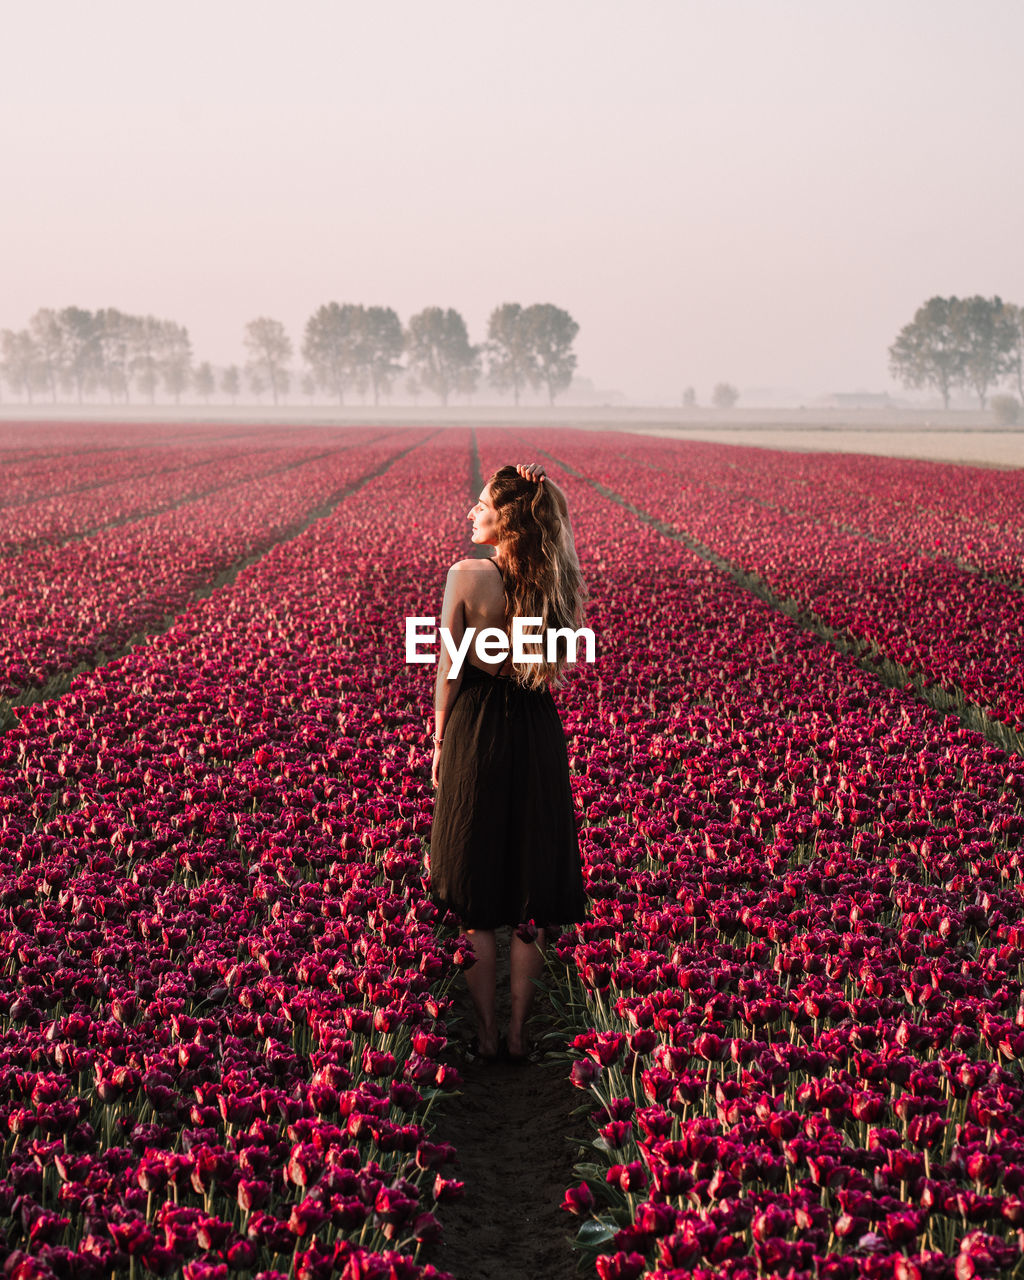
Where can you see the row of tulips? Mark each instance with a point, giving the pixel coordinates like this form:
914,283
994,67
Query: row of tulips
222,1012
972,516
68,605
954,630
171,476
46,459
801,986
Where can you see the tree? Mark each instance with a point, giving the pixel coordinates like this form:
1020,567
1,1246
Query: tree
175,358
724,395
147,344
20,360
48,336
204,381
269,349
1015,359
550,334
231,382
956,341
383,343
81,364
1006,410
929,352
440,353
308,385
466,380
511,359
114,342
332,346
689,398
78,350
986,332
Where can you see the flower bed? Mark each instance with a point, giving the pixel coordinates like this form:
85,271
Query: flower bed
954,629
972,516
87,498
46,459
802,978
798,999
68,605
223,1013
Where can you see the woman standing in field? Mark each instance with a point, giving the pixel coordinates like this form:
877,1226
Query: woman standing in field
504,848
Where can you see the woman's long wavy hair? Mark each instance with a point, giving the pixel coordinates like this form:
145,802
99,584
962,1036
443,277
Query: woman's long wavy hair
542,576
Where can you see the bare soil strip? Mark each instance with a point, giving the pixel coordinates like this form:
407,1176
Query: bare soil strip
876,663
477,476
515,1137
60,684
516,1145
968,442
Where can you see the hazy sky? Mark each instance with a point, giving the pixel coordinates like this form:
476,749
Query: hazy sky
715,189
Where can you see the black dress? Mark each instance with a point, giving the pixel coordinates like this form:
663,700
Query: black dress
504,845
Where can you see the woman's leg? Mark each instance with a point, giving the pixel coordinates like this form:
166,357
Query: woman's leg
526,962
480,978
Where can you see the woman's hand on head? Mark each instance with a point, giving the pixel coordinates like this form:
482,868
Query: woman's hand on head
531,471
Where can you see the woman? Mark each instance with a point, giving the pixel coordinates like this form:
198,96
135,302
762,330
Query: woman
504,848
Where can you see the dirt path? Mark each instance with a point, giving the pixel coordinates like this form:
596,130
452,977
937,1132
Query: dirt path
516,1139
517,1143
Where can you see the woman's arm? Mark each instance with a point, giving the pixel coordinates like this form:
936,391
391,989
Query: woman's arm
453,616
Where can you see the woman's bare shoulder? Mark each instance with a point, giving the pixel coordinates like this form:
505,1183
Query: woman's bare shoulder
473,564
470,579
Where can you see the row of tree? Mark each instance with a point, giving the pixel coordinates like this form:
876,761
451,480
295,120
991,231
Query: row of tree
347,348
724,396
351,347
976,343
76,351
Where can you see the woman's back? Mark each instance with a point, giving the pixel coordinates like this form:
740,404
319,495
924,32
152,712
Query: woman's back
482,588
504,845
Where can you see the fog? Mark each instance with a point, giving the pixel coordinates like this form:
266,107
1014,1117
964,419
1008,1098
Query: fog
758,192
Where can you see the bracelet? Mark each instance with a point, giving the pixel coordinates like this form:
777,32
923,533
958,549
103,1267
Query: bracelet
437,740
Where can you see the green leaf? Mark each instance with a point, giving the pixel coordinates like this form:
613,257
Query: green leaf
555,1038
430,1093
594,1233
591,1172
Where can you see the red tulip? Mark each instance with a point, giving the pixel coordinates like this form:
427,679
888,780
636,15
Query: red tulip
579,1200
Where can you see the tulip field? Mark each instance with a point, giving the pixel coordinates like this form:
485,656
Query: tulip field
795,1013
